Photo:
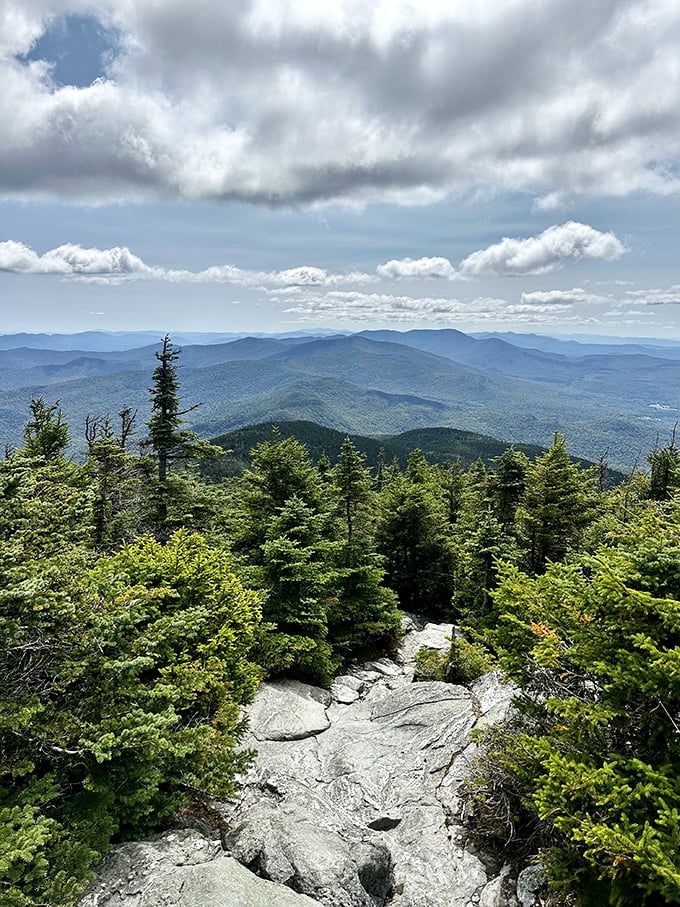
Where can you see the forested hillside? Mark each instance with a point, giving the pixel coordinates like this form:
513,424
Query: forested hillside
616,399
142,603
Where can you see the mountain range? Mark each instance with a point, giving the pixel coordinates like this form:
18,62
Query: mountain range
621,398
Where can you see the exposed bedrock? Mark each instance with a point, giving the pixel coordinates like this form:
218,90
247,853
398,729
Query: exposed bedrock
351,801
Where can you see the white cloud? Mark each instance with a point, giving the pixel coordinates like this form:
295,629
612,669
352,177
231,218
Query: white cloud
562,297
259,101
534,255
355,307
417,268
669,296
70,259
114,266
541,253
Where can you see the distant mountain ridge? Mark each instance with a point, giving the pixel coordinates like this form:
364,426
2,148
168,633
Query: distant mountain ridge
372,382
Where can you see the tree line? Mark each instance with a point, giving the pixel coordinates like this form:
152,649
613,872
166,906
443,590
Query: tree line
141,605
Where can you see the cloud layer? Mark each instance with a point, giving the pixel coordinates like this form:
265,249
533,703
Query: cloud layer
272,103
120,264
534,255
539,254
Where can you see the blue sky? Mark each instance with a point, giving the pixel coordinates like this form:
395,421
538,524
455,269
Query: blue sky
238,166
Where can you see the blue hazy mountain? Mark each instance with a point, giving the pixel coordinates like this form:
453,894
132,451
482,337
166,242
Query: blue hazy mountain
376,382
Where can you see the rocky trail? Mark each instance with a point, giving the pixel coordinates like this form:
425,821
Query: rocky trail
351,802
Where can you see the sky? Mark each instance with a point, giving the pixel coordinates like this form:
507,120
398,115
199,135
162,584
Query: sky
255,165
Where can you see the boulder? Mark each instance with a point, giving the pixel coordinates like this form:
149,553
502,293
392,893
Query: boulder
182,869
288,710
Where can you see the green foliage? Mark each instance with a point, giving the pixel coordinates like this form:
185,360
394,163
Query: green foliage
306,542
46,433
466,661
412,535
508,484
596,646
430,665
118,480
558,505
364,614
478,552
168,441
120,681
664,465
284,534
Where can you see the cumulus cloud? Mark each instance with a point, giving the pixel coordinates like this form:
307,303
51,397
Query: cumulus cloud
533,255
69,260
541,253
271,103
120,264
418,268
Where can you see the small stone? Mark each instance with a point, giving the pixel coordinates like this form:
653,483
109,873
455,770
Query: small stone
344,695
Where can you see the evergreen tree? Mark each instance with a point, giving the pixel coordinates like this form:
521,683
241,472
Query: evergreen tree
508,484
412,535
352,486
168,441
479,540
46,433
285,534
478,552
364,613
594,764
450,478
298,575
665,471
117,503
279,470
119,692
559,503
120,679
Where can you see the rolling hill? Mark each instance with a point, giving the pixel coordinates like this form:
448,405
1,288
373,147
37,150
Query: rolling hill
371,383
440,445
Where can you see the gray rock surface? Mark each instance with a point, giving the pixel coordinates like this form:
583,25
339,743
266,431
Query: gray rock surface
530,882
362,814
183,869
288,710
351,802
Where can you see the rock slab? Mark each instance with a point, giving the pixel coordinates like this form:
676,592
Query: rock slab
362,813
351,802
182,869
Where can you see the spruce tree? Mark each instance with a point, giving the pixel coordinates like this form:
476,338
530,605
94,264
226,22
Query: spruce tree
364,614
559,503
413,536
46,433
168,441
591,760
508,484
285,534
665,471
